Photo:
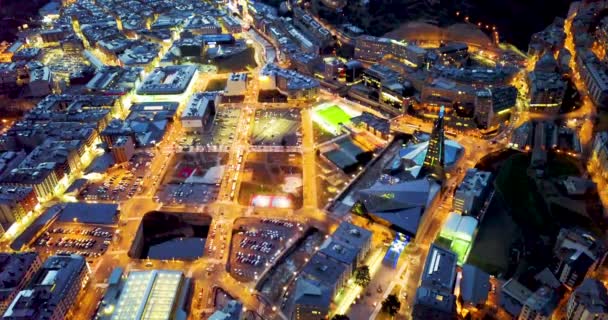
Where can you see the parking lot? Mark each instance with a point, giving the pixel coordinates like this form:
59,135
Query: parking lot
187,193
119,183
256,244
223,131
278,127
88,241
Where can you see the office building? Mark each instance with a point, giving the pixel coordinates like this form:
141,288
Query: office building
15,203
594,74
150,294
474,286
170,80
471,193
312,300
16,270
576,252
41,82
52,291
493,105
290,83
327,271
199,112
589,301
435,296
547,88
236,85
123,149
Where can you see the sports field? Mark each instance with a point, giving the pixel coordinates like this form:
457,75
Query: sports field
331,117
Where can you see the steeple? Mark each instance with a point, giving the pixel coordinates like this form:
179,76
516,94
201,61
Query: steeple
434,159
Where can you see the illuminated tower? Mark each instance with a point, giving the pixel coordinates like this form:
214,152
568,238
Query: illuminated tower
435,154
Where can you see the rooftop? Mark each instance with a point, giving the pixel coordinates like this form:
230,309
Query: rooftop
47,288
167,80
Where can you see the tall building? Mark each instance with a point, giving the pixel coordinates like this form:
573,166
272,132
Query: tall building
588,302
52,291
434,159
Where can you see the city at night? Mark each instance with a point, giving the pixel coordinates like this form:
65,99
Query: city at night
303,160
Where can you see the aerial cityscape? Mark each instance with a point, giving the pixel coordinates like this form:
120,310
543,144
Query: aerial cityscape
303,159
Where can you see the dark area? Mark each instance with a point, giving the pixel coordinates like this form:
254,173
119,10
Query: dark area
15,13
172,231
515,20
520,227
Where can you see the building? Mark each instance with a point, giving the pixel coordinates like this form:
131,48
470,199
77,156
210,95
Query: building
435,297
454,52
474,286
401,206
232,24
199,111
199,24
115,80
150,294
170,80
52,291
331,273
232,311
513,296
290,83
16,269
594,74
458,233
236,85
493,105
440,269
576,252
41,82
312,300
600,152
589,301
123,149
540,305
434,304
471,193
354,236
434,160
374,49
547,88
15,203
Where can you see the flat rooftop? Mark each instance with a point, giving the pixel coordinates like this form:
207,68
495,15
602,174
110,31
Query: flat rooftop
167,80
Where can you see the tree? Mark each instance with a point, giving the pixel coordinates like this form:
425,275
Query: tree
391,304
362,276
340,317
